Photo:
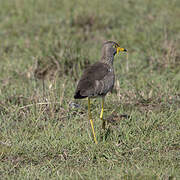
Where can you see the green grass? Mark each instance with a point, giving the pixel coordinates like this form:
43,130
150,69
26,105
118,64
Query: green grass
45,45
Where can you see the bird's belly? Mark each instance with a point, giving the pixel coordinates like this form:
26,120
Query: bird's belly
104,86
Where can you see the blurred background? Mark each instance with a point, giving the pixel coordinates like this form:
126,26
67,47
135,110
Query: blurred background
44,48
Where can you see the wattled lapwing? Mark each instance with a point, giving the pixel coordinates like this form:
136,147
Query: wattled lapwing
98,79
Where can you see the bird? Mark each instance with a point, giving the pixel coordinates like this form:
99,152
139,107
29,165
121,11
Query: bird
98,79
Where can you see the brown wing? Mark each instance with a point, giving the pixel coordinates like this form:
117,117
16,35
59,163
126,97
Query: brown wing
89,84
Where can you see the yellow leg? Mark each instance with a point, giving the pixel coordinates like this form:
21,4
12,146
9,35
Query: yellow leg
90,118
101,115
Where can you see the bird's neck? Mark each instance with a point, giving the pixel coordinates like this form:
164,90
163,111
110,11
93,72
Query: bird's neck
107,59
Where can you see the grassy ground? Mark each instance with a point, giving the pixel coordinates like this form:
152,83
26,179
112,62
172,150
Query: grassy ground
45,45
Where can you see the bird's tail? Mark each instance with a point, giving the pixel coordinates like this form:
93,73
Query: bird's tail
78,95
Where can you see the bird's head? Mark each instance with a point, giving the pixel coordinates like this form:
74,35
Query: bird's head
110,49
113,47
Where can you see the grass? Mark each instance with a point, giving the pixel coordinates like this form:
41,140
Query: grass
45,45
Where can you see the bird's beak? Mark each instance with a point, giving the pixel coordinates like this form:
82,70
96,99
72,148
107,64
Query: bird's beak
120,49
